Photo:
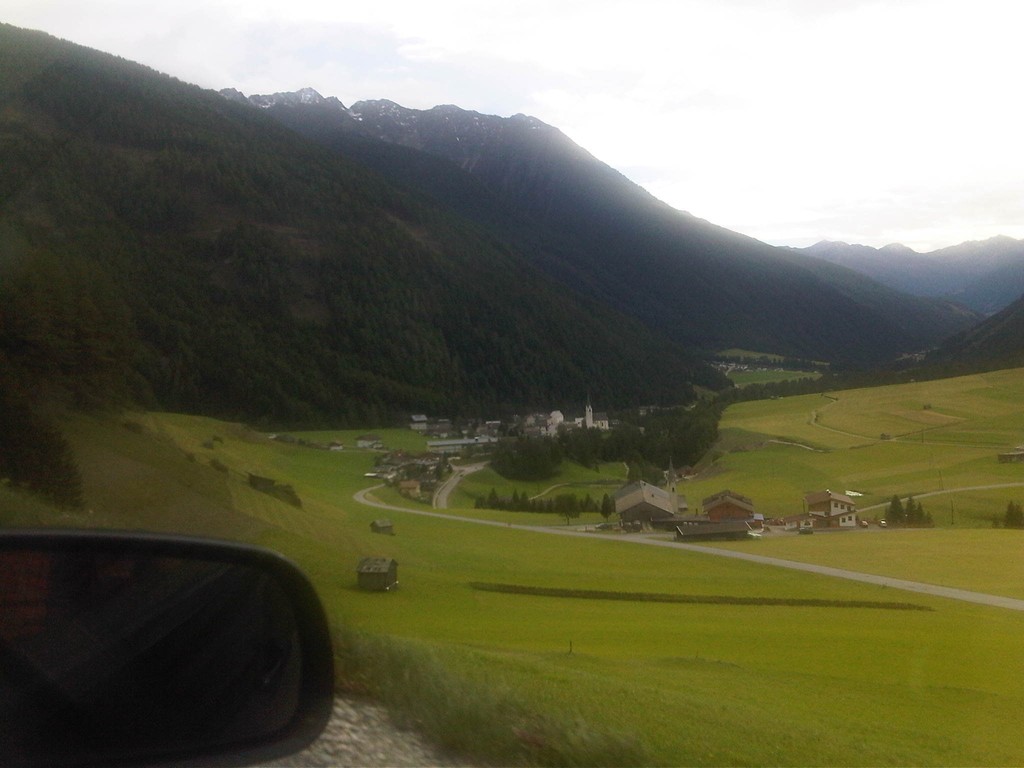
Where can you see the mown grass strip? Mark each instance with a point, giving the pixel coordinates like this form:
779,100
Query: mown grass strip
654,597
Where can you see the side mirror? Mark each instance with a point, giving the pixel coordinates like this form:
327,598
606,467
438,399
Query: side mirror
129,649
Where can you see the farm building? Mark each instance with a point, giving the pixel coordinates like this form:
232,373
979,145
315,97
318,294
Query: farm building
377,574
454,446
707,530
728,505
382,526
369,441
831,510
1014,456
798,521
645,503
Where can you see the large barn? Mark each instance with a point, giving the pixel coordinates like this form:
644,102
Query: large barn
644,503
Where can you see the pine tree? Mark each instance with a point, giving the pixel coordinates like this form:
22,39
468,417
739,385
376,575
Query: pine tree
896,514
1014,516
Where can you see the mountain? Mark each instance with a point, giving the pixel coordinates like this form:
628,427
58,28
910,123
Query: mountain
161,243
996,343
590,228
984,275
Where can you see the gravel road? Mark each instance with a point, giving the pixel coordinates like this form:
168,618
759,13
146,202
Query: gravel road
360,734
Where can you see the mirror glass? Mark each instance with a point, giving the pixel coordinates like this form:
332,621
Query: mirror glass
110,655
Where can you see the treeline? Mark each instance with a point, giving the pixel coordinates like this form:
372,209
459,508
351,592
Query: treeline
907,513
34,456
566,504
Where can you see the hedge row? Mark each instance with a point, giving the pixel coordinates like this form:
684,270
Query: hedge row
652,597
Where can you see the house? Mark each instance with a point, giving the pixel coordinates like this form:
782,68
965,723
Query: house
645,503
382,526
377,574
728,505
409,488
418,422
831,510
440,428
555,420
369,441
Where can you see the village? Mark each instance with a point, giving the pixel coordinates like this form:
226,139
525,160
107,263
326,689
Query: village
638,506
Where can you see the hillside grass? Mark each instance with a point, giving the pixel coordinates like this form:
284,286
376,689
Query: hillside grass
944,437
571,478
540,676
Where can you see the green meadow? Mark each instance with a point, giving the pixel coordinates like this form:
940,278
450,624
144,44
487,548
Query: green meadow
813,678
937,437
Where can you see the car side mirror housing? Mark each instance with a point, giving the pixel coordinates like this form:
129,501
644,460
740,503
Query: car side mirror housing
137,649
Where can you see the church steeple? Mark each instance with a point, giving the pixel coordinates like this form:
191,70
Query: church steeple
588,414
670,485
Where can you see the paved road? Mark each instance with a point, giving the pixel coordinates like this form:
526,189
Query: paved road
980,598
919,496
444,491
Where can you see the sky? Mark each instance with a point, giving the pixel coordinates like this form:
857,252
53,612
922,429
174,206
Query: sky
792,121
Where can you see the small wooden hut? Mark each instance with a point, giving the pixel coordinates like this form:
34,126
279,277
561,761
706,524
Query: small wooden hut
377,574
382,526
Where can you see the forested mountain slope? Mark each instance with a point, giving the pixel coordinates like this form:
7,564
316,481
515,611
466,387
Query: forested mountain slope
591,228
163,243
996,343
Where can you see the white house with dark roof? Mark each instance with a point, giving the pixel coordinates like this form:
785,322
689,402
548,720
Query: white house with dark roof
829,509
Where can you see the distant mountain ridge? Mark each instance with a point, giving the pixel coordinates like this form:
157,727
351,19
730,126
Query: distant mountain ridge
597,232
985,275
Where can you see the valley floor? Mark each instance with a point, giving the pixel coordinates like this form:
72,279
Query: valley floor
659,540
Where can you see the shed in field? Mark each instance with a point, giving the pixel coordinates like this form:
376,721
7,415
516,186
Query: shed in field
377,574
382,526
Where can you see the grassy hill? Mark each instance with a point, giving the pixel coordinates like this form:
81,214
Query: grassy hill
945,436
644,683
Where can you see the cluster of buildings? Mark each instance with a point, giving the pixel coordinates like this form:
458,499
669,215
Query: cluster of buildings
724,515
414,475
451,439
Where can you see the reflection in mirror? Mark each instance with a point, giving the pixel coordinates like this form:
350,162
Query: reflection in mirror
108,656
